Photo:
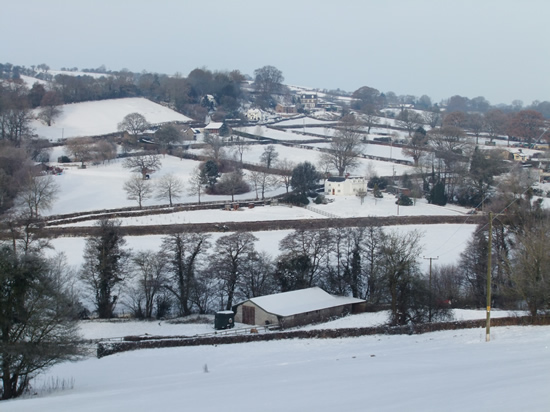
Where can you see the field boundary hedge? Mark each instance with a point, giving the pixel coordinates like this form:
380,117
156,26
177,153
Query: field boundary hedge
107,348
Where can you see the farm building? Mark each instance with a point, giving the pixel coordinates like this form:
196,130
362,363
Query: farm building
213,127
345,186
299,307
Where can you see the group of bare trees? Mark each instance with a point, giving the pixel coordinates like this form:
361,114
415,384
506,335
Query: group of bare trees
519,264
190,273
87,149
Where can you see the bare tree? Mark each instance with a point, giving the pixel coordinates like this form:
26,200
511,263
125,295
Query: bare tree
268,80
150,274
145,164
476,123
134,124
452,150
104,150
417,145
495,123
409,120
196,183
231,256
258,279
38,193
241,146
138,189
186,258
346,145
262,182
81,149
169,187
167,135
232,183
50,107
269,156
433,119
400,266
285,168
215,146
530,266
370,116
312,245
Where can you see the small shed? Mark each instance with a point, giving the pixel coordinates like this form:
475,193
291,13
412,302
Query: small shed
295,308
224,319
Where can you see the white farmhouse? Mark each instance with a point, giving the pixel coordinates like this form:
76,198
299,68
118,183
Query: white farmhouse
345,186
254,115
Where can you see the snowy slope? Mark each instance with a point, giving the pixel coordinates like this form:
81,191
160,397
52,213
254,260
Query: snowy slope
453,371
102,117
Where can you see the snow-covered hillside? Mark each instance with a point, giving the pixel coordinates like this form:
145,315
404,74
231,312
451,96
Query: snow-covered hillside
453,371
102,117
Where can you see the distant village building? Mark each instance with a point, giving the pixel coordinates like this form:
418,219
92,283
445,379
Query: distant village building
345,186
295,308
308,100
254,115
519,156
286,108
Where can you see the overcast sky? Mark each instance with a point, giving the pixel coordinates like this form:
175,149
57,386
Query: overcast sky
498,49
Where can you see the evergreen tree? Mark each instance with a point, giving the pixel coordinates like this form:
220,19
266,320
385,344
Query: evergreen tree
437,194
105,263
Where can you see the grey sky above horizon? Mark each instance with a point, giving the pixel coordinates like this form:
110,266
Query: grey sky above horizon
491,48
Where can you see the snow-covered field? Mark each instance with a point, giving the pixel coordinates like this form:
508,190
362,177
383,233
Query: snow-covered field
101,187
450,371
446,241
102,117
284,136
113,329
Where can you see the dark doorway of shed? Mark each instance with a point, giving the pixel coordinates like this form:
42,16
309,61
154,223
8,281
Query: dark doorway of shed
249,315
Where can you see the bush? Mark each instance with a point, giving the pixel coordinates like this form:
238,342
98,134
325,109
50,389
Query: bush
404,200
319,200
380,181
295,199
63,159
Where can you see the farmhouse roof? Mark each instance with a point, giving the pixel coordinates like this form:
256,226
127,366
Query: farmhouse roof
213,126
301,301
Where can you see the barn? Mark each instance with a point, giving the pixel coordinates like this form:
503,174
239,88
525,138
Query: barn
295,308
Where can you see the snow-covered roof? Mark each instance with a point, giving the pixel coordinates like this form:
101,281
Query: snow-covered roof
301,301
213,126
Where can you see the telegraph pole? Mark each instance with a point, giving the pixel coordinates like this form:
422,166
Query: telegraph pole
489,263
430,286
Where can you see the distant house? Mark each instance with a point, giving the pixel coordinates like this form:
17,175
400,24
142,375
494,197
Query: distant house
213,127
295,308
254,115
345,186
519,156
188,134
286,108
308,100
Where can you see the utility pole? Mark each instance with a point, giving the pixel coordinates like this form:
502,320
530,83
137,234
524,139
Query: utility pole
489,264
430,286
